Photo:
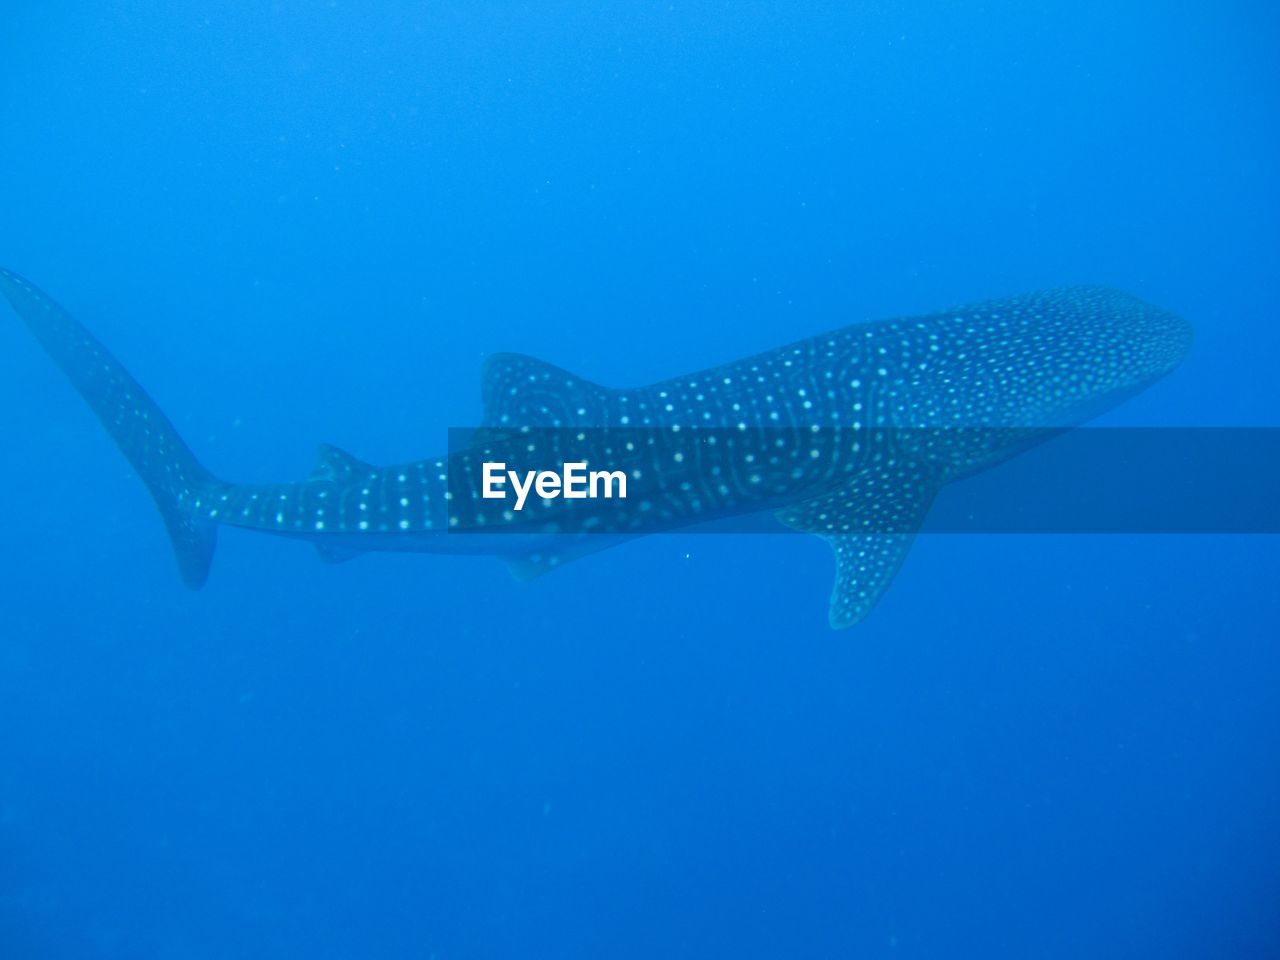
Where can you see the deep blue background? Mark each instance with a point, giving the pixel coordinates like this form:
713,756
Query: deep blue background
307,221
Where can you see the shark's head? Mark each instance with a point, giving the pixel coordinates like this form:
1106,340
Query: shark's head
1092,348
1158,340
1134,344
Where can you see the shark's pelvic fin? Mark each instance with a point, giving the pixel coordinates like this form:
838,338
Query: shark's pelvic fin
331,554
870,524
546,558
180,486
523,391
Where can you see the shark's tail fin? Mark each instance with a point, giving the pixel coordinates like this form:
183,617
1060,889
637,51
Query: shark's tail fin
177,481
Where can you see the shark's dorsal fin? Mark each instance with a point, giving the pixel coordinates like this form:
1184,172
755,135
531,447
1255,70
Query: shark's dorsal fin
870,524
333,463
523,391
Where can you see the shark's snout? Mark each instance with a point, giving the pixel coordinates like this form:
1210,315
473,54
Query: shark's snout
1165,338
1158,341
1124,345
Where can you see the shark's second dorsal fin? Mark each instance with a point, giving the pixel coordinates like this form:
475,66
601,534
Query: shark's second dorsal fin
523,391
333,463
870,524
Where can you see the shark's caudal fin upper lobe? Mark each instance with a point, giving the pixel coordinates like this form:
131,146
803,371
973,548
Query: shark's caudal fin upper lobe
177,481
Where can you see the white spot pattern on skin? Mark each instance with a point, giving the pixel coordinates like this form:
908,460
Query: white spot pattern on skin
993,372
1042,360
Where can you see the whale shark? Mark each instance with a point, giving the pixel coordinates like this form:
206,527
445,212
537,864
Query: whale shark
848,435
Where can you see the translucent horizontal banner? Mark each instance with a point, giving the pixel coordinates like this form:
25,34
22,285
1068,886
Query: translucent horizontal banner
629,481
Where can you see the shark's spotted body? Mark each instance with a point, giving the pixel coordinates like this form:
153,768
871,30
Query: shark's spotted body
1041,362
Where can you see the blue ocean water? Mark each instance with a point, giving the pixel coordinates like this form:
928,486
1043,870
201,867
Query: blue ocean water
306,221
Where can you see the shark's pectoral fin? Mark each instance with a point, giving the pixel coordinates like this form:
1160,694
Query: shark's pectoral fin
865,566
870,524
524,391
333,463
